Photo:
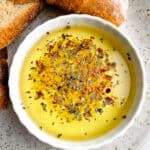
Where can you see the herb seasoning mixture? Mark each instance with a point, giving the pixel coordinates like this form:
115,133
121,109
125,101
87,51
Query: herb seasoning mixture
74,79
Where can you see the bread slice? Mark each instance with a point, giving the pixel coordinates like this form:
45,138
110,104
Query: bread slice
14,18
111,10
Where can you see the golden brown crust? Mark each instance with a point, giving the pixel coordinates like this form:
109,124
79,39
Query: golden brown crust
3,53
23,1
3,79
110,10
12,30
3,97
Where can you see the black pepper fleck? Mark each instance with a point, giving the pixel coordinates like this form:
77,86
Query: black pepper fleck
59,135
124,116
114,118
23,107
108,90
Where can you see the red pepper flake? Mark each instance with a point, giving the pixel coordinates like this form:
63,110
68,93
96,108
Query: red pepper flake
108,77
109,100
112,65
102,70
49,47
100,50
101,86
40,66
90,89
39,94
37,62
54,54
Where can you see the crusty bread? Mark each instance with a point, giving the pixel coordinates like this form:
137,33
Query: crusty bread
14,18
3,79
4,97
23,1
111,10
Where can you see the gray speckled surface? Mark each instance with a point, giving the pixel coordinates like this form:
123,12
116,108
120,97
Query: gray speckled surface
13,136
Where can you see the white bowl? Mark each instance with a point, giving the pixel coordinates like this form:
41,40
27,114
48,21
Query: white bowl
16,66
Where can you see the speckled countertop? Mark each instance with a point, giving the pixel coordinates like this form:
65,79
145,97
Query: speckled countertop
13,136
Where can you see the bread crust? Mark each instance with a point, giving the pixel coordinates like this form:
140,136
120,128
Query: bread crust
111,10
23,1
9,32
4,96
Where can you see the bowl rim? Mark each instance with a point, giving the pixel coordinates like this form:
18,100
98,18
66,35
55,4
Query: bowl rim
42,136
